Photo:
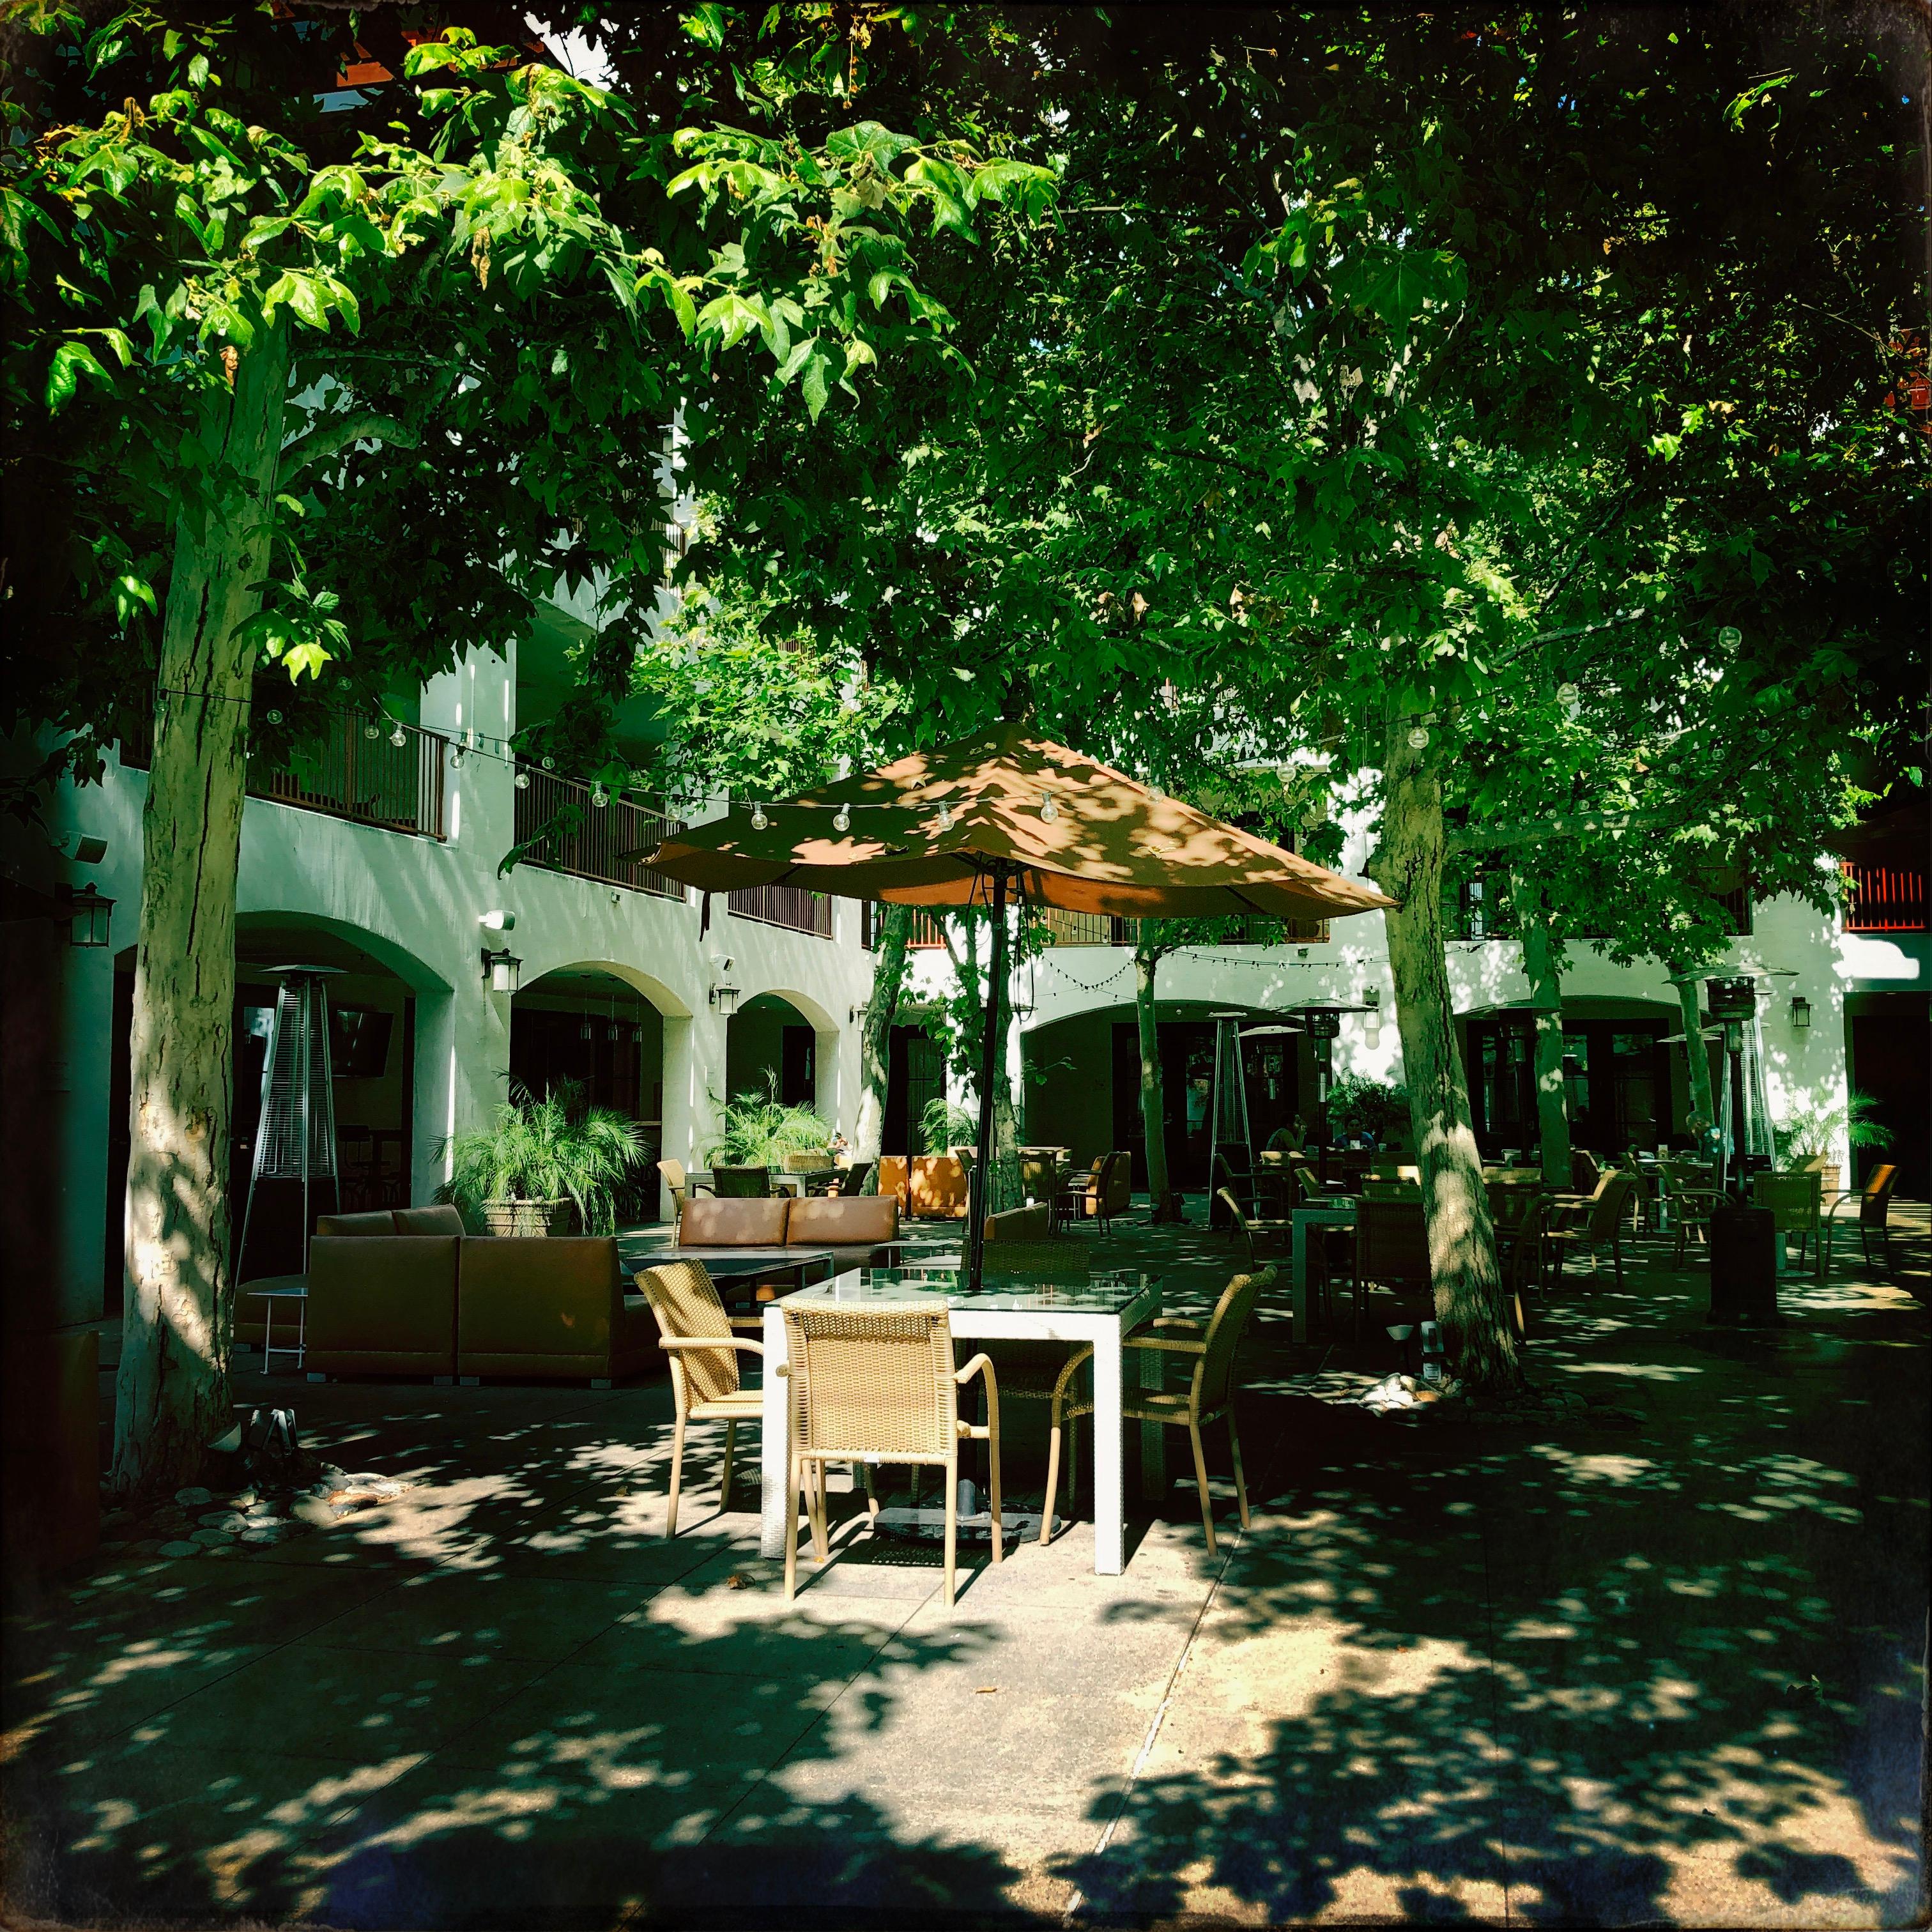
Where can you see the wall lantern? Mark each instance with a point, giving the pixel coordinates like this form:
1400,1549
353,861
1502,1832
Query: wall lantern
1800,1012
725,999
92,913
502,970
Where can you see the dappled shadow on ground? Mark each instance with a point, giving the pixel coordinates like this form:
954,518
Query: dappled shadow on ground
1658,1660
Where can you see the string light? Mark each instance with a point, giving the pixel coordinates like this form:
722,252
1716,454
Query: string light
599,797
842,820
1418,739
1567,695
759,820
372,730
944,821
274,717
456,755
1730,637
523,781
1048,811
399,737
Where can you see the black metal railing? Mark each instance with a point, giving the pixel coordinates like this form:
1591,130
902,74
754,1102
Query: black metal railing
1884,899
787,906
565,830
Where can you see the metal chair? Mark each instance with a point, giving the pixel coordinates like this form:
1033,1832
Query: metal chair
741,1184
1796,1201
1210,1396
695,1334
1602,1224
1874,1200
878,1385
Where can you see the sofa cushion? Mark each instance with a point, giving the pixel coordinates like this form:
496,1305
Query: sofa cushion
336,1227
834,1219
1021,1224
537,1306
385,1307
938,1186
442,1219
706,1222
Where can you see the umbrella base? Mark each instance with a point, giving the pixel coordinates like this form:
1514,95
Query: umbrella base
928,1525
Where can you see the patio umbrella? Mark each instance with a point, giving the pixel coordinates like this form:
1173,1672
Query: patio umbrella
1006,815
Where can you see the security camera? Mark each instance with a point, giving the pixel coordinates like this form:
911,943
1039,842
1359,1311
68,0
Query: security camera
723,962
498,922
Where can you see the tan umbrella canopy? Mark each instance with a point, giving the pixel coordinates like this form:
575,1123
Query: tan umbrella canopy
939,828
1006,814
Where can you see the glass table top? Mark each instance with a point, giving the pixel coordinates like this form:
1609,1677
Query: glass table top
1105,1294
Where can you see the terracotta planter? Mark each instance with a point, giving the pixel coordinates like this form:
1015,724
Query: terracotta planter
524,1219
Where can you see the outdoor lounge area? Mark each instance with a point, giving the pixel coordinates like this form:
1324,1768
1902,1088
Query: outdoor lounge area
1652,1654
964,966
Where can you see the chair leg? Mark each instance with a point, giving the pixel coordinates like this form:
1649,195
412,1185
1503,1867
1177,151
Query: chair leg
725,1482
993,1482
1201,1478
1052,1477
676,1475
872,1493
952,1525
1617,1256
794,1475
821,1536
1241,1481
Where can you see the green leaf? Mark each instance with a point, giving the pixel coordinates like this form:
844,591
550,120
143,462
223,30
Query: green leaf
72,360
705,25
815,384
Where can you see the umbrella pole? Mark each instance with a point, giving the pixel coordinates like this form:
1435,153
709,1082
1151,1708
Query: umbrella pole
979,1193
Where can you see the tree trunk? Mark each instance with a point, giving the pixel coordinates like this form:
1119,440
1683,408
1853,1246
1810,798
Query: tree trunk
1697,1057
1164,1203
1469,1302
1545,995
875,1037
171,1395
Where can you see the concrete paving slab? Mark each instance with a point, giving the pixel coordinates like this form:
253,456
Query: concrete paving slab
490,1612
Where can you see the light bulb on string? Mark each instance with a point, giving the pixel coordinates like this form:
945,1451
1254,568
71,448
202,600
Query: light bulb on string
1567,696
372,730
274,717
455,757
523,781
759,820
1048,811
841,820
1418,739
944,821
550,764
1730,637
599,797
399,737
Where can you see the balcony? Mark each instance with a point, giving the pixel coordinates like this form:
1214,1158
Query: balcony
346,773
561,827
1089,928
1884,899
787,906
926,935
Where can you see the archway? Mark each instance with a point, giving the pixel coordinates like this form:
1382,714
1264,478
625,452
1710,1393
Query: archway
772,1044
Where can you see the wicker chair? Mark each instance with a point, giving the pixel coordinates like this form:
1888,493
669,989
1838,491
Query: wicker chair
696,1334
1685,1197
741,1184
1210,1396
1796,1201
1601,1225
1523,1255
1101,1192
878,1385
681,1187
1392,1253
1874,1200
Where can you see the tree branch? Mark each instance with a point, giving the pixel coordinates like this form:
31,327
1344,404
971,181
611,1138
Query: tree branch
337,434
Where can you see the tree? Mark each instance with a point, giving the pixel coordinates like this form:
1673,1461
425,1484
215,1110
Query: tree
235,329
1379,381
891,929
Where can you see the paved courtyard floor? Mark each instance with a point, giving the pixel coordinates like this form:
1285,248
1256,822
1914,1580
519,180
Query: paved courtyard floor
1660,1660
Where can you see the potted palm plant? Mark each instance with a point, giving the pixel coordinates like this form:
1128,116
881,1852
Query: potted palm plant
759,1130
547,1165
1810,1132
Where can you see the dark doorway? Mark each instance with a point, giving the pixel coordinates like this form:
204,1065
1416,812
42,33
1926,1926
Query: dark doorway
915,1076
1890,1046
1616,1080
1187,1084
548,1049
798,1067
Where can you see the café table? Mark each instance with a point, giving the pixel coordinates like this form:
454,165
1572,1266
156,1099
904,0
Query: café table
1099,1313
1336,1214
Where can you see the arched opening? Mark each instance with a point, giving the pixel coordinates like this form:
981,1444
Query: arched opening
1066,1106
772,1045
592,1029
372,991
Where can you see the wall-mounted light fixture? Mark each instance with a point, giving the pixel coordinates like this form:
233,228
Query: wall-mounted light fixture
725,999
503,970
855,1015
498,922
1800,1012
92,914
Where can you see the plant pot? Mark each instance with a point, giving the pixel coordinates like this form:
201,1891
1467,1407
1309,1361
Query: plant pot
524,1219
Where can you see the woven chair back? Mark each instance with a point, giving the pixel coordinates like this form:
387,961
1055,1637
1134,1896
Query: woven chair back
1391,1244
1225,1329
740,1183
1877,1196
1525,1233
1794,1199
811,1160
1037,1177
875,1381
684,1300
1067,1260
1117,1180
1610,1203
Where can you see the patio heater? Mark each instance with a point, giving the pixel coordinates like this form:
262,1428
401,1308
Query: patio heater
1228,1122
1744,1239
295,1139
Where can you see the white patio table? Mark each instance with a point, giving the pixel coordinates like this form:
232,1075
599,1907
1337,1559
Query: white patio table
1102,1312
1329,1214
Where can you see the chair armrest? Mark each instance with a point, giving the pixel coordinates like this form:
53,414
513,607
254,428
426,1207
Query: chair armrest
1175,1321
671,1343
982,1364
1166,1348
700,1187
